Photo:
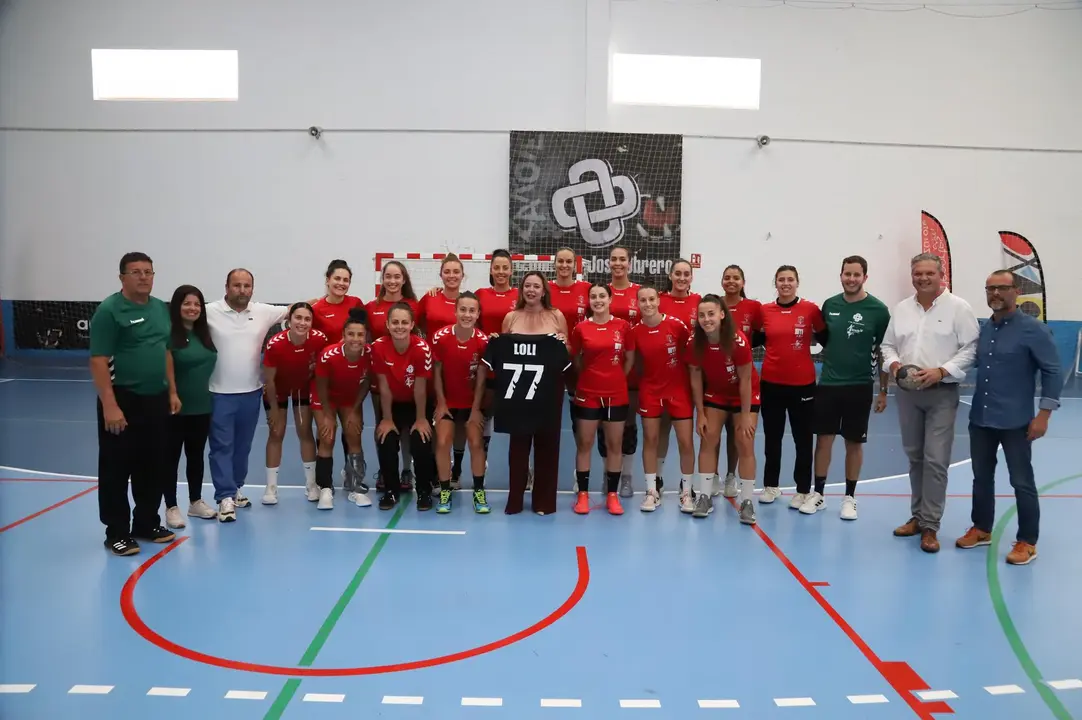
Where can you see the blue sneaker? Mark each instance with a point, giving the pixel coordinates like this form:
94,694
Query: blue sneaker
480,502
444,505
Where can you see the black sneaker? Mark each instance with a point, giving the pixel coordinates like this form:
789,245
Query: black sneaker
388,501
424,501
122,546
405,483
157,535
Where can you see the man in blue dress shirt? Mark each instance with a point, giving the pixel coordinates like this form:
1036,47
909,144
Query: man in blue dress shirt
1013,348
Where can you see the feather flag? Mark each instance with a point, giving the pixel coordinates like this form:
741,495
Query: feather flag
1021,259
933,239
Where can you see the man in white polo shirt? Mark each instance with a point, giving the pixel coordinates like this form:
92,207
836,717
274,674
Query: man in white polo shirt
936,331
238,328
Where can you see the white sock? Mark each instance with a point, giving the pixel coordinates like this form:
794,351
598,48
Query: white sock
651,482
309,473
747,489
272,477
685,482
661,467
627,464
706,483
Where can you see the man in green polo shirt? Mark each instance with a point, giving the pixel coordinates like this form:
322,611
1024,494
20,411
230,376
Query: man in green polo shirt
133,374
856,323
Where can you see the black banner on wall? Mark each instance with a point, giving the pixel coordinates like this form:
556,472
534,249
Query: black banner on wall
592,191
52,325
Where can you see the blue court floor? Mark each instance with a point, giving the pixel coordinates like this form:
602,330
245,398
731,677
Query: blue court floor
292,612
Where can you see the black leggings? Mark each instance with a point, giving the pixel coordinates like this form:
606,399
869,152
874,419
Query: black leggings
798,401
187,434
424,457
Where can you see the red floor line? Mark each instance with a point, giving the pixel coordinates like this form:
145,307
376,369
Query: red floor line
54,506
127,607
899,675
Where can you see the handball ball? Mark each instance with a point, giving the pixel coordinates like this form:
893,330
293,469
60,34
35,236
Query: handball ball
907,377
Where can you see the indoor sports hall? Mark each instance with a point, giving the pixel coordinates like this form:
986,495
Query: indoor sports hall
278,137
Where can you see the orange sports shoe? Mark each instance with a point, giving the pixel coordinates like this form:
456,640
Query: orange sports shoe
612,503
582,504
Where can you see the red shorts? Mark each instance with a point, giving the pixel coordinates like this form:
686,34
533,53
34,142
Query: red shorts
730,404
585,399
336,402
676,405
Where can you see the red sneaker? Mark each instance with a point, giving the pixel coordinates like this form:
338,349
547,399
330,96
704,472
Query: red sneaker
612,503
582,505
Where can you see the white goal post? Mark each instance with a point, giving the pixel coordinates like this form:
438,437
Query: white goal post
424,268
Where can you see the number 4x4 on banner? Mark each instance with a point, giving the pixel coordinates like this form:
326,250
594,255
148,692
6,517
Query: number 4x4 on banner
593,191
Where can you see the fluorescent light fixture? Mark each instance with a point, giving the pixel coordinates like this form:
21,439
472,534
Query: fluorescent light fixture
683,81
199,75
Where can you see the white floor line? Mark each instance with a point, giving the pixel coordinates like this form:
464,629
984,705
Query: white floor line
323,698
4,689
28,471
1004,690
966,402
718,704
794,702
1073,684
245,695
388,531
482,702
4,380
403,700
651,704
560,703
168,692
936,695
51,380
867,699
90,690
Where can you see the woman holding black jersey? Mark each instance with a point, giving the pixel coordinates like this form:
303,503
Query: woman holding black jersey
788,383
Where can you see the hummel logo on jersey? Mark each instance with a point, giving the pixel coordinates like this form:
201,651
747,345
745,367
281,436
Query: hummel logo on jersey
136,322
834,314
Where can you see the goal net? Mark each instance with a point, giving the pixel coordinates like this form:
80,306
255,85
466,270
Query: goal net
424,268
593,191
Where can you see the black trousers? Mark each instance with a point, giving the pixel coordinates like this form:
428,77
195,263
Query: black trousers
138,454
187,436
422,452
798,402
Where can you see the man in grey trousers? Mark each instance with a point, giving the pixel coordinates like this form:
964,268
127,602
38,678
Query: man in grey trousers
936,331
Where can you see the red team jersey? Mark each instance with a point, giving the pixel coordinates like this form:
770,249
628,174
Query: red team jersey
572,301
748,316
721,383
789,339
686,308
604,348
494,308
402,369
344,376
664,384
330,318
377,315
458,361
435,312
293,364
625,304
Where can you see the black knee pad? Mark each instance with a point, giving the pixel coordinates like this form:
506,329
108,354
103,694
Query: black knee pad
631,439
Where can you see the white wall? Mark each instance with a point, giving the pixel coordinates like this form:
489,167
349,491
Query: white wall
283,204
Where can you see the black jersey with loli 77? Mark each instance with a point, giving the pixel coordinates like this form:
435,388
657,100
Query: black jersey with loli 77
526,389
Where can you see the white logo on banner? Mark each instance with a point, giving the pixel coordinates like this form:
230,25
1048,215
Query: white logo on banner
613,214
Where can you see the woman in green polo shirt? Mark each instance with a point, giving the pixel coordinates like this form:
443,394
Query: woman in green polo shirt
194,356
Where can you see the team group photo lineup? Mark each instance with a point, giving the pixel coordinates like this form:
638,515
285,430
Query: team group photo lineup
443,368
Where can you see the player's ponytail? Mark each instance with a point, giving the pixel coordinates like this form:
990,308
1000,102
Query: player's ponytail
357,316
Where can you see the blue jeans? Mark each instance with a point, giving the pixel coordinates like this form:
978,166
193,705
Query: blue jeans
233,418
984,443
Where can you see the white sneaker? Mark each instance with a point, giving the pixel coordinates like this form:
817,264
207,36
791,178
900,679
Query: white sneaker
849,508
730,490
715,486
227,510
797,501
270,495
312,491
687,501
360,499
200,509
173,518
769,495
326,499
651,502
813,504
241,500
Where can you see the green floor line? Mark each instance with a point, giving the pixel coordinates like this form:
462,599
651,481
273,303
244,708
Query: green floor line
278,707
1004,616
